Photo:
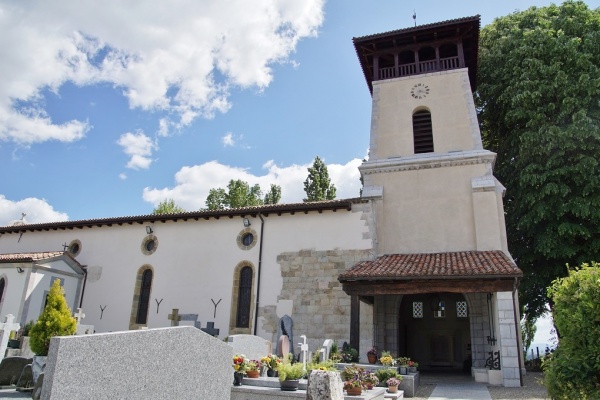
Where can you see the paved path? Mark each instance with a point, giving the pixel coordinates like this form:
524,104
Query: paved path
460,391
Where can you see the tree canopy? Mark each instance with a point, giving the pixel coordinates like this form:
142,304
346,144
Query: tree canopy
241,194
317,185
539,101
167,206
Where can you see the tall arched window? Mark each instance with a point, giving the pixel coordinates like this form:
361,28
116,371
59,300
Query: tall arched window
422,132
144,299
244,298
2,286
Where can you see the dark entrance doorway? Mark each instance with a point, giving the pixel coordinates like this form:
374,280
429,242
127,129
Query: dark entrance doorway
434,330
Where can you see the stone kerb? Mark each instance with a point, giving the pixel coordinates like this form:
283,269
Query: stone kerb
253,347
166,363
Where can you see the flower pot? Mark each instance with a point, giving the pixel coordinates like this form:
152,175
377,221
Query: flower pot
393,389
271,373
403,370
253,374
412,370
354,391
237,378
372,358
289,385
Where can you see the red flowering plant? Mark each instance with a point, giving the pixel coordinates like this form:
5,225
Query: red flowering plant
271,361
240,364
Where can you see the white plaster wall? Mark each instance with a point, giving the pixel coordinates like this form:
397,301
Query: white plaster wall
39,285
193,263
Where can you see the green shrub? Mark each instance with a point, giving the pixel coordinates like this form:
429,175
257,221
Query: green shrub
288,371
55,320
386,373
572,371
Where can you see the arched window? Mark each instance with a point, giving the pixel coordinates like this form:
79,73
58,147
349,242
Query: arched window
422,133
144,301
244,298
2,286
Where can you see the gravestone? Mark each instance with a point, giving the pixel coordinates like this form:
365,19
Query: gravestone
26,379
11,369
283,346
325,353
324,385
253,347
164,363
285,328
6,328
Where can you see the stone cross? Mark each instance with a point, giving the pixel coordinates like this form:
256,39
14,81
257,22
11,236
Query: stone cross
326,350
210,329
79,315
303,350
175,317
6,327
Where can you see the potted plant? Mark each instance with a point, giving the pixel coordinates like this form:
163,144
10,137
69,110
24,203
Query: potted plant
349,354
289,375
371,380
55,320
393,384
372,355
240,366
271,362
412,366
387,359
253,370
384,374
353,387
354,379
403,365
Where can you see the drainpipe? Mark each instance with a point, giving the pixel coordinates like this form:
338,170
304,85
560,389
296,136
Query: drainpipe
262,228
517,330
83,289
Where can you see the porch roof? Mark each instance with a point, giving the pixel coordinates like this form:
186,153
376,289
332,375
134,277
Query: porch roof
458,272
30,257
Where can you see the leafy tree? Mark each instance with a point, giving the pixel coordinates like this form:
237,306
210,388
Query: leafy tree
55,320
167,206
539,102
528,330
240,194
573,370
317,185
274,195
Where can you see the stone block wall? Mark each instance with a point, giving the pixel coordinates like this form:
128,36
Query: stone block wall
321,308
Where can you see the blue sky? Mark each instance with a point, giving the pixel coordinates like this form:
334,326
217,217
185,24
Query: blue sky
105,110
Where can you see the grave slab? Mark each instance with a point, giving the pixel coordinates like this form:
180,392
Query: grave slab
165,363
253,347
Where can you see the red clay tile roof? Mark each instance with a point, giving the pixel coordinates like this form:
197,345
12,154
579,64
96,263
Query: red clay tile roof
30,257
469,264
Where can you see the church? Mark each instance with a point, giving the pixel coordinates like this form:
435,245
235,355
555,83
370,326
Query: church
418,265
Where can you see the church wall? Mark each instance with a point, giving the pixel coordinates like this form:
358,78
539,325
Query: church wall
193,263
453,117
14,290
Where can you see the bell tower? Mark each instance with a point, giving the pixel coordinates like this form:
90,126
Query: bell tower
427,170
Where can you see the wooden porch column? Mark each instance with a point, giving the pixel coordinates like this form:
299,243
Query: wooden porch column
354,322
375,68
461,54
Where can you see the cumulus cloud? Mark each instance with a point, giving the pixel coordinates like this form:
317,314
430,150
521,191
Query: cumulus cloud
37,210
139,147
178,57
192,184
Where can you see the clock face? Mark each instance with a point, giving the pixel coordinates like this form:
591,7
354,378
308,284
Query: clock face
419,91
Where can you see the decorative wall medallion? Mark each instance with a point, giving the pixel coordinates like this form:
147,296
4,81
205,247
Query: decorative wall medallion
419,91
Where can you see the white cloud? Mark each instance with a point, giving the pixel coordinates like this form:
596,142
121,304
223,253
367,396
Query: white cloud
193,183
122,176
228,139
139,147
37,210
180,57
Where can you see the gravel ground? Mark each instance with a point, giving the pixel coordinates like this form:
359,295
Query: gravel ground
532,389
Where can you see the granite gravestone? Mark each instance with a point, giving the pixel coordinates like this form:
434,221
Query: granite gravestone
165,363
253,347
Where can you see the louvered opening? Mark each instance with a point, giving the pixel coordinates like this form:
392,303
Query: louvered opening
422,133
